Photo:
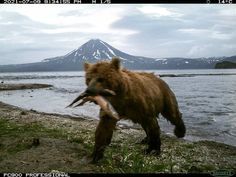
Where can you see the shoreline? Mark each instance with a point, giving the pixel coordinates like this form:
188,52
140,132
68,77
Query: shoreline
6,87
65,143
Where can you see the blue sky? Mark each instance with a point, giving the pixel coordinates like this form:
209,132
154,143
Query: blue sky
31,33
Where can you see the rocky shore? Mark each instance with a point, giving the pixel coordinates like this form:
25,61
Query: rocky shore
32,141
4,87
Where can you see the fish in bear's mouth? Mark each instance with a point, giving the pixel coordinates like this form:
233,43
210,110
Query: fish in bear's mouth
97,96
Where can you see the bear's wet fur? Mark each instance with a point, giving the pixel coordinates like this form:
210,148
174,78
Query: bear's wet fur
140,97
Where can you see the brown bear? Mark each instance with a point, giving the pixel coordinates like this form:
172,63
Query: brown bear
139,97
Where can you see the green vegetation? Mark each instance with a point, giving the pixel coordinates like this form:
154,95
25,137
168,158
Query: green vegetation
35,147
19,137
225,65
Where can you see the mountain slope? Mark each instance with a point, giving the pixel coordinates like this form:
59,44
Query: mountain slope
95,50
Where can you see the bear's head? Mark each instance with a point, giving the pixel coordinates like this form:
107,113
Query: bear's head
103,75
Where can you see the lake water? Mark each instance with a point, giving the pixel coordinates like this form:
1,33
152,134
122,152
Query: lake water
208,102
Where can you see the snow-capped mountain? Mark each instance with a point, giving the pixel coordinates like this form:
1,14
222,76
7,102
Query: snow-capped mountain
95,50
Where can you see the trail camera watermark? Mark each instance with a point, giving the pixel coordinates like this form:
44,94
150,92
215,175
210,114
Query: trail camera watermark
219,1
222,173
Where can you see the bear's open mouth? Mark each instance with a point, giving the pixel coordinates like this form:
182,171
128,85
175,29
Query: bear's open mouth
96,96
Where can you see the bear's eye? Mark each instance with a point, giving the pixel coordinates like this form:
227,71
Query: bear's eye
100,79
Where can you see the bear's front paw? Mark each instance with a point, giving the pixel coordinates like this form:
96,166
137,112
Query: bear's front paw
95,157
152,151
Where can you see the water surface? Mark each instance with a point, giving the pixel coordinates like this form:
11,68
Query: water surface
207,99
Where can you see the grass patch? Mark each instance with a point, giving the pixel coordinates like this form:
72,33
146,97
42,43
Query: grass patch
11,129
19,137
128,157
66,150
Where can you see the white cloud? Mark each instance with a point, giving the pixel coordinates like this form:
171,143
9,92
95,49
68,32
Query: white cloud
121,32
221,36
95,16
207,32
230,47
41,12
145,30
229,10
158,11
198,49
96,19
175,42
194,31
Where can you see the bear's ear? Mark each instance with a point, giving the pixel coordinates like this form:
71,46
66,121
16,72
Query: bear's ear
115,63
87,66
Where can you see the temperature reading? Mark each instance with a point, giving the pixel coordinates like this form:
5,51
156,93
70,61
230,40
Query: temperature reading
225,1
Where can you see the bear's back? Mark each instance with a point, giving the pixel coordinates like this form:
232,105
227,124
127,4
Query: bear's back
142,91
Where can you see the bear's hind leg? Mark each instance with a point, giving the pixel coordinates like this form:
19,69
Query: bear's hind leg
152,130
175,117
171,112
